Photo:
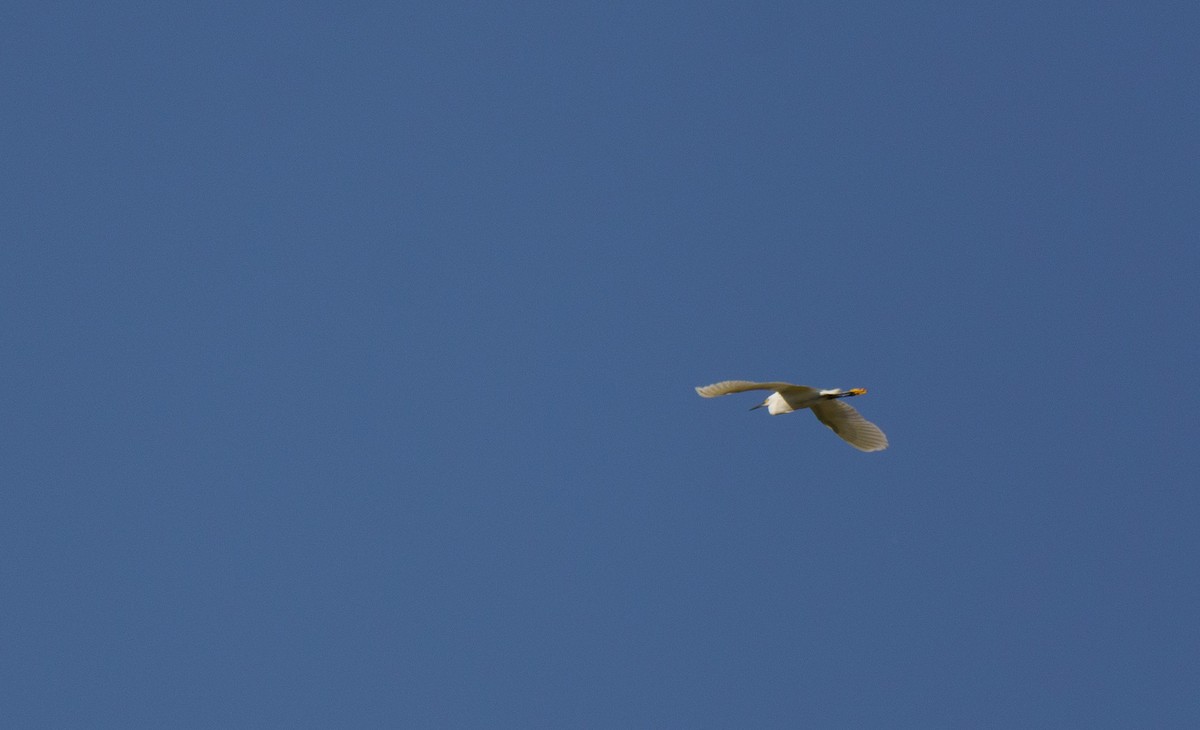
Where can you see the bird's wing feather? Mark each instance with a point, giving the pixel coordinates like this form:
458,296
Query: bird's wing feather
850,425
740,386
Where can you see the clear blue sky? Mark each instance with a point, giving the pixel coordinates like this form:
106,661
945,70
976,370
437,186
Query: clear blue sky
348,355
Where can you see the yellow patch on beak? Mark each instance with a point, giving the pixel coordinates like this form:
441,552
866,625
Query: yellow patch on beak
858,391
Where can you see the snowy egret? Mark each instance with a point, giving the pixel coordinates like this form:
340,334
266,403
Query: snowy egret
844,420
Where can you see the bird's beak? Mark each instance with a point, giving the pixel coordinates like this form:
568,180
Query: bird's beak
760,405
857,391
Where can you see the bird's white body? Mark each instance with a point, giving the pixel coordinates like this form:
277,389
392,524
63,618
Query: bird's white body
825,404
776,404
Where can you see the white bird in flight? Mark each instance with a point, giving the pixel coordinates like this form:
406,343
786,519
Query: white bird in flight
843,419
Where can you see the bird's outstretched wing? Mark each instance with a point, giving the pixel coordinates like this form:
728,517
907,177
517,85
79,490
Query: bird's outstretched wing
726,387
850,425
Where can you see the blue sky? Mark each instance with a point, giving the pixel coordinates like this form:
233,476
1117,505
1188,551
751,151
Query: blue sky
349,355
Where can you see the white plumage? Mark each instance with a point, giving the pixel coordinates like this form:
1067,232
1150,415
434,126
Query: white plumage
825,405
